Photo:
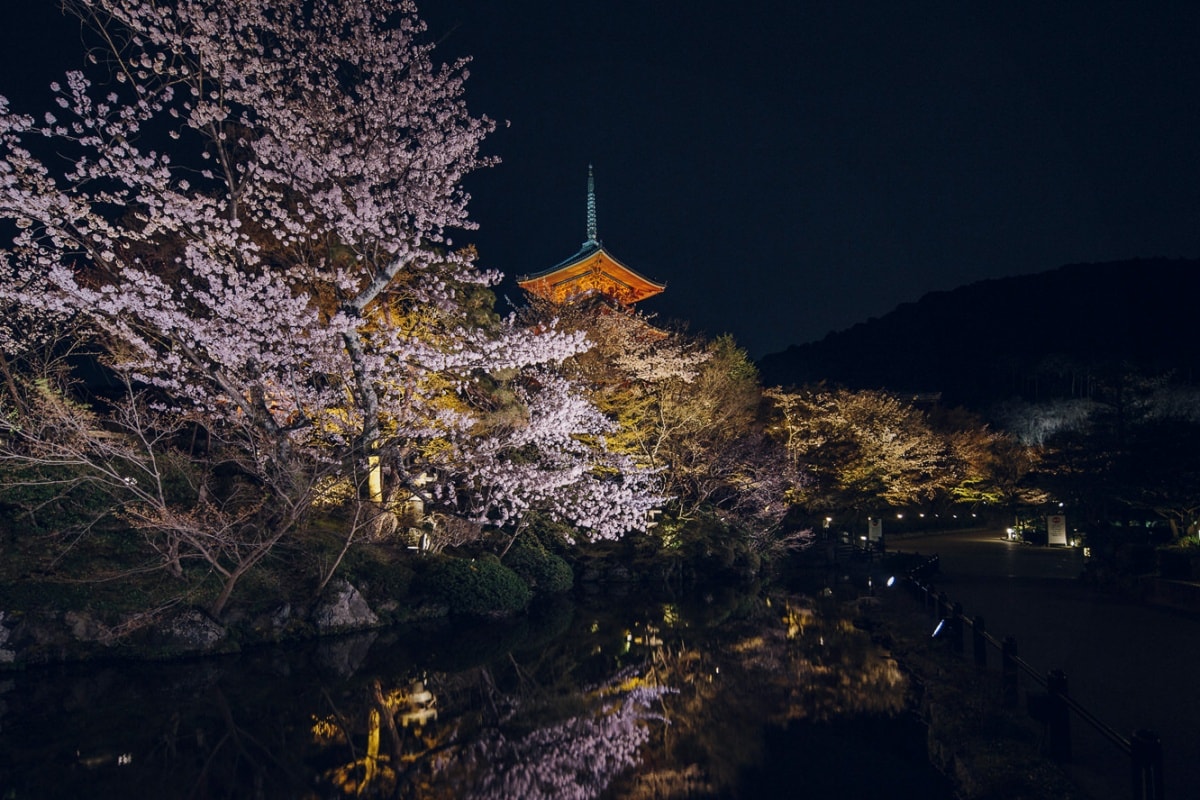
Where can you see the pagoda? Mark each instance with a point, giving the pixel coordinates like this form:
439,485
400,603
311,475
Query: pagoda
591,272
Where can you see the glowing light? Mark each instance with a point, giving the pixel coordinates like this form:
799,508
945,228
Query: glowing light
891,581
325,730
938,629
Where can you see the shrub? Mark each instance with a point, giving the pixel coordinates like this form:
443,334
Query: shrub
475,587
544,571
553,535
378,572
715,550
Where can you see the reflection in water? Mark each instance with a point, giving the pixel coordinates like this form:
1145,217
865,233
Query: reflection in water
524,744
765,669
660,701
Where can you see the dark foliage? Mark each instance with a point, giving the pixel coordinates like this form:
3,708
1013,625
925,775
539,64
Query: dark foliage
480,587
543,571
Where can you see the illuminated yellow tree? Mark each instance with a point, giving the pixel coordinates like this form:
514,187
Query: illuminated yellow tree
990,467
862,449
683,406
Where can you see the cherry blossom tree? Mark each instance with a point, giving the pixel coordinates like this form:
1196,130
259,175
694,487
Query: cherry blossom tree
628,368
549,462
250,207
684,406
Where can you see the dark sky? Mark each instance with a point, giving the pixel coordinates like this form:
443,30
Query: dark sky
792,168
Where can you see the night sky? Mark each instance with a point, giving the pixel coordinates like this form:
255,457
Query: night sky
792,168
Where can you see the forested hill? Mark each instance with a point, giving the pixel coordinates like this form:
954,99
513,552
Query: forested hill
1031,335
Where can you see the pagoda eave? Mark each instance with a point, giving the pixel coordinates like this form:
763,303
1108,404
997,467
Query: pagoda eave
596,273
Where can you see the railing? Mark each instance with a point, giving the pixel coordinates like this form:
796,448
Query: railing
1053,707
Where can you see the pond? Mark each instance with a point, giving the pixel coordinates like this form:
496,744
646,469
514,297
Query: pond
774,694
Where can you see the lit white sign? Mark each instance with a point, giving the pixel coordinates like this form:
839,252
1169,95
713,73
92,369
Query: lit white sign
1056,527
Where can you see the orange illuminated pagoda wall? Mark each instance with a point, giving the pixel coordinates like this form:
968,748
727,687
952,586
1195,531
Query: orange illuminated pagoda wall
591,272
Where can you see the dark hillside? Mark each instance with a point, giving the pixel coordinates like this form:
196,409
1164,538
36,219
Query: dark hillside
1031,335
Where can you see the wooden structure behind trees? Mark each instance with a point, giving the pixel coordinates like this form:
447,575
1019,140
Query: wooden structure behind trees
593,271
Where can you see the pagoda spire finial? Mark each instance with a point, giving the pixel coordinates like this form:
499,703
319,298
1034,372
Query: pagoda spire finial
591,210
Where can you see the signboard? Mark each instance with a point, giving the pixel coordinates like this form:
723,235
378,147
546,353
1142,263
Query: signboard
875,529
1056,528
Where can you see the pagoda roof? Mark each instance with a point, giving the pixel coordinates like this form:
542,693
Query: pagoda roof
592,270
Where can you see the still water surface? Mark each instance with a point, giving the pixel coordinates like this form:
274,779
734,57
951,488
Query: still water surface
770,695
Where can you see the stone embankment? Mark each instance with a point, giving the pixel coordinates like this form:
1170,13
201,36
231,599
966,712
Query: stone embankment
47,636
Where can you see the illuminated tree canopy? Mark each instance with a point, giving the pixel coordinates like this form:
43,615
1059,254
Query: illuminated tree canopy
246,211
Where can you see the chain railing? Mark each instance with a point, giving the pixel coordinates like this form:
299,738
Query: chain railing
1054,706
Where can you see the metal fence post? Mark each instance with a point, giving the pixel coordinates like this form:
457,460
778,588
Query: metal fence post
978,638
1146,759
1008,671
1059,720
956,627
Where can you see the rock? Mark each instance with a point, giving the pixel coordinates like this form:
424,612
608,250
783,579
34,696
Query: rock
7,655
280,618
591,574
36,639
343,608
86,628
273,625
619,573
193,631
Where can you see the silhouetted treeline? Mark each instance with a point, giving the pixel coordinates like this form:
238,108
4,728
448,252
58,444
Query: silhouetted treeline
1032,337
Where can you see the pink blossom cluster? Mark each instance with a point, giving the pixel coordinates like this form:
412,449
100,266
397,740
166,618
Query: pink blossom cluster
556,462
250,269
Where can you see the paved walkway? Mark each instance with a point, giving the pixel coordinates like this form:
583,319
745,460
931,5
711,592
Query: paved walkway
1132,665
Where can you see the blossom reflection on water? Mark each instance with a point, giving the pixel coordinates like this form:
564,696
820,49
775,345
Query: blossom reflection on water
675,700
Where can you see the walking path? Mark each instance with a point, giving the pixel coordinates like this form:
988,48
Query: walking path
1132,665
